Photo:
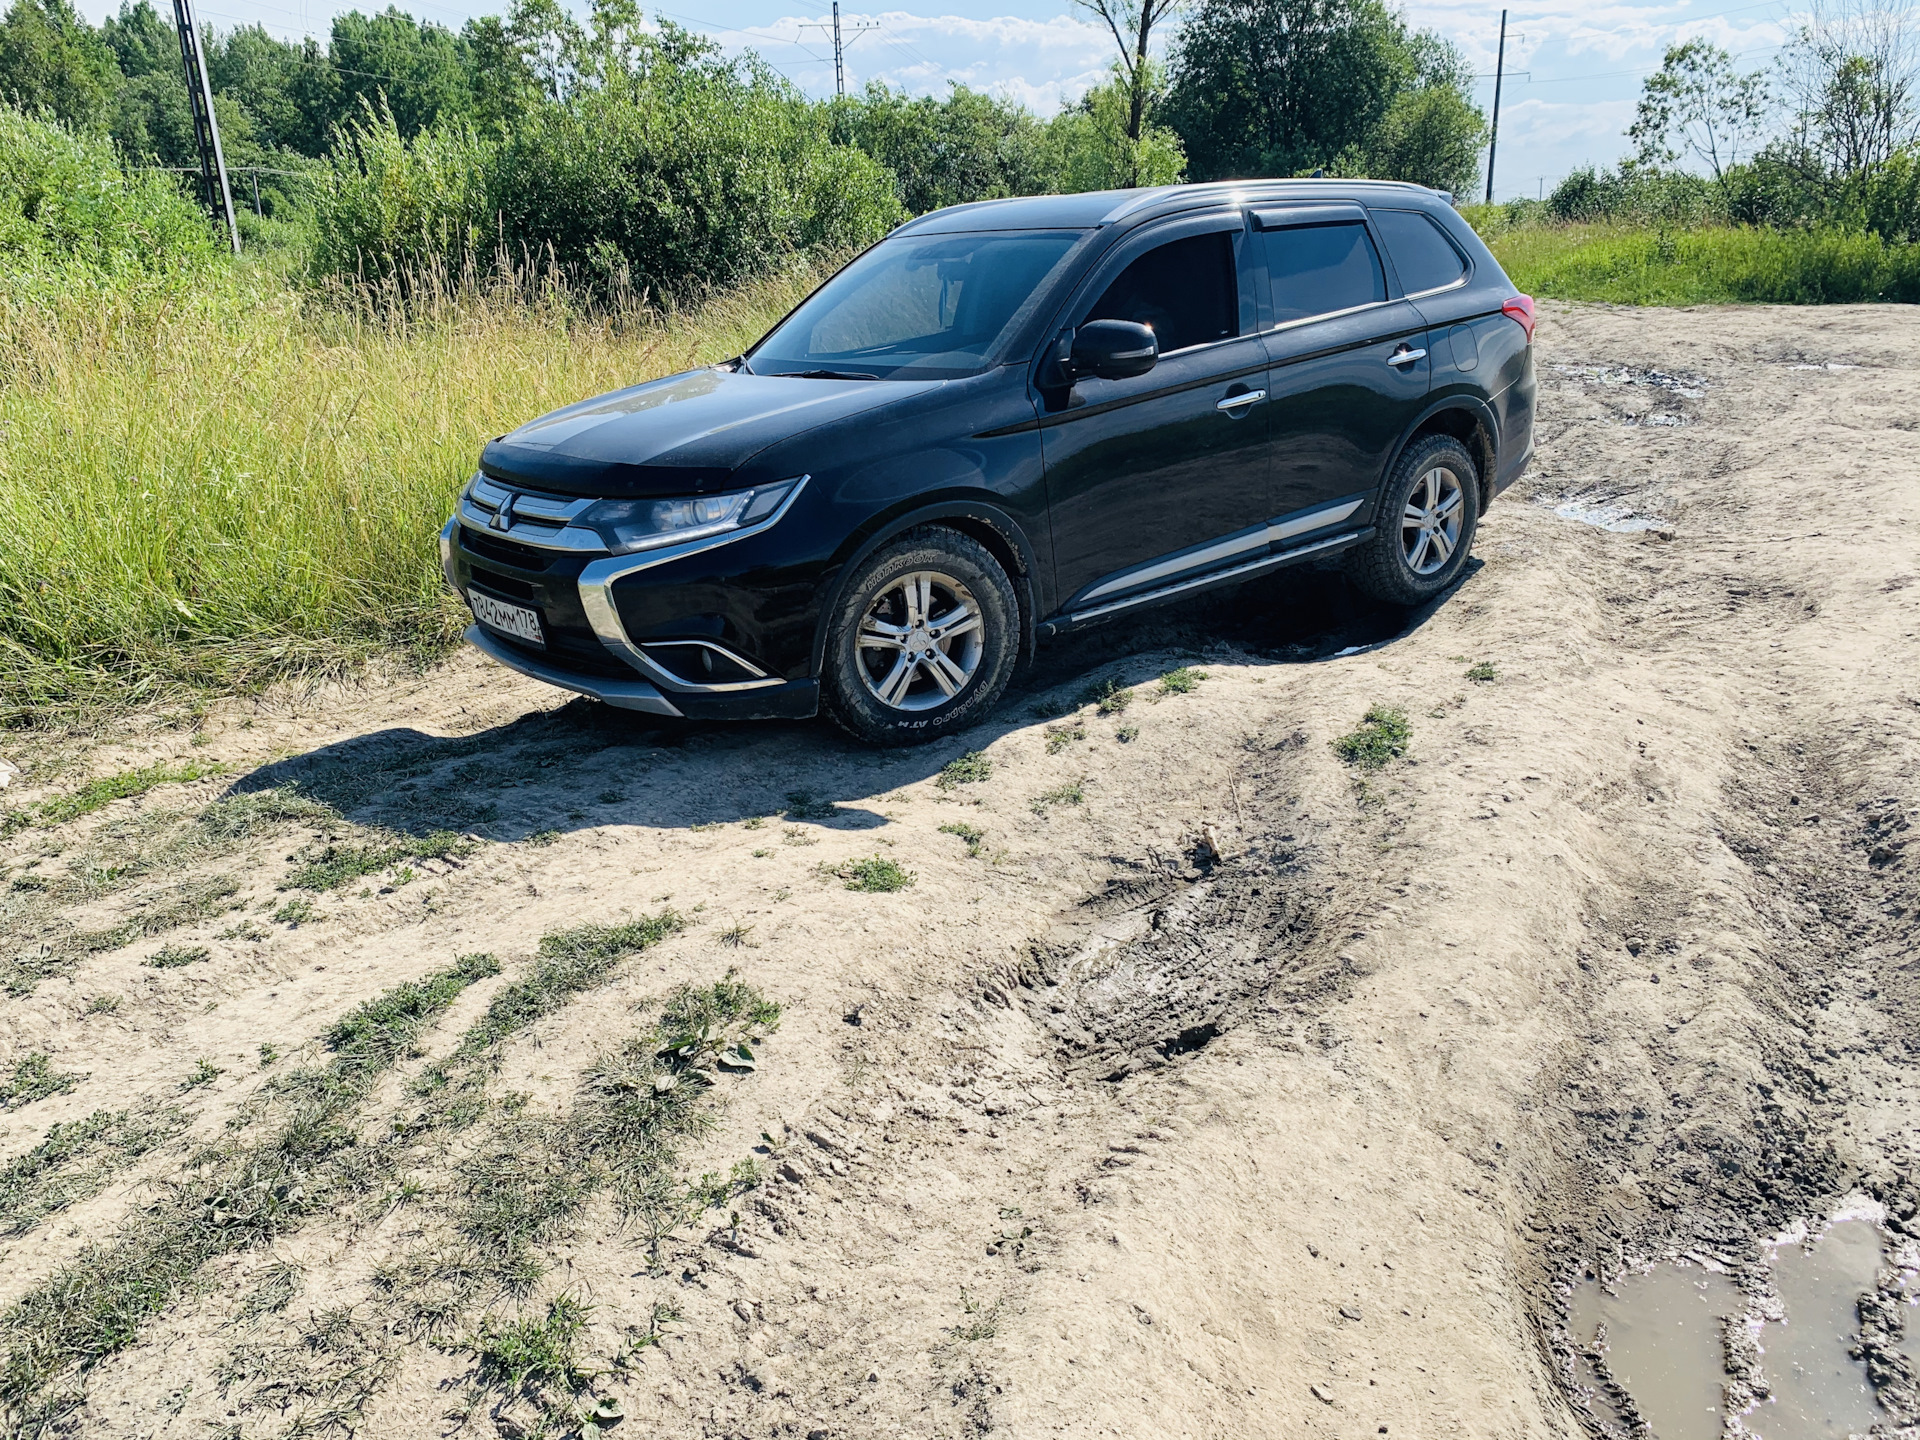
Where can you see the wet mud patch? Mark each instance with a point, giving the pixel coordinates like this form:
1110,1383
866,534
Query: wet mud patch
1164,960
1803,1340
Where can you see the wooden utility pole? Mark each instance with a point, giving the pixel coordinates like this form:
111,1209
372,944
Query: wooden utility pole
206,129
1499,69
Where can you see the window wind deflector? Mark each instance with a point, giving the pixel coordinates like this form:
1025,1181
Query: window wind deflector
1293,217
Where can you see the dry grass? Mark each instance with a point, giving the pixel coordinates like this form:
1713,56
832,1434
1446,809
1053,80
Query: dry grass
221,486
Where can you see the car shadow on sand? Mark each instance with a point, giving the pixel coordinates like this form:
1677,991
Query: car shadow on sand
584,765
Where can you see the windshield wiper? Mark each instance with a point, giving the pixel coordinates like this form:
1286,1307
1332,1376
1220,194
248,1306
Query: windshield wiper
829,375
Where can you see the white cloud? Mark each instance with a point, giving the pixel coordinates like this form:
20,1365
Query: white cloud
1037,62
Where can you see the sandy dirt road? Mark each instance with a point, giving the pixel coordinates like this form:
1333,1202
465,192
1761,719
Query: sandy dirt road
1213,1088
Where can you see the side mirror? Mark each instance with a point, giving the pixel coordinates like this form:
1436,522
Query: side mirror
1112,350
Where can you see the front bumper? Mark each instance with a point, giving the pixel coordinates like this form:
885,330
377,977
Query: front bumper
626,694
679,636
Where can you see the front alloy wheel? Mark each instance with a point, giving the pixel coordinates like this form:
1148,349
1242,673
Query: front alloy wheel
922,641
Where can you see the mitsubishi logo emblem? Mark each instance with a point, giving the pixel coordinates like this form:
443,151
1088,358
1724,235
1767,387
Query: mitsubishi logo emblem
503,517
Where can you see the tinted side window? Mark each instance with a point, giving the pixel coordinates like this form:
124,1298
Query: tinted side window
1317,269
1184,291
1422,254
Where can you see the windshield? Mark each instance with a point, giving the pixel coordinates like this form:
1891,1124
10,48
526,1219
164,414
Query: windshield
932,307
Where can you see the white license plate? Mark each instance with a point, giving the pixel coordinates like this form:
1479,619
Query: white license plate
515,620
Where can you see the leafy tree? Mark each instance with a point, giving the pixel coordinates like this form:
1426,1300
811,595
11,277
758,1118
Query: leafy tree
1282,87
142,43
1430,136
419,67
1852,71
1132,23
968,146
1089,146
52,60
1696,104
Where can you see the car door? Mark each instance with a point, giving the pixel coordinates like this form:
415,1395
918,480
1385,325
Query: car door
1349,365
1164,475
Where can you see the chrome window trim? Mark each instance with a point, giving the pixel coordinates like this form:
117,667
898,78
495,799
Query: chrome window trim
596,598
1329,315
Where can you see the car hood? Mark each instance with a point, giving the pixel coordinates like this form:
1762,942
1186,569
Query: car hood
681,435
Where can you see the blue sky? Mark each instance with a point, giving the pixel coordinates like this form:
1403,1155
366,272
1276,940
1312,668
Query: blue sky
1575,67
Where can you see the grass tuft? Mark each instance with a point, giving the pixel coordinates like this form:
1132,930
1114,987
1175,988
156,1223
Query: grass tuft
1108,697
970,769
1382,737
98,794
34,1078
876,874
973,835
172,957
1483,672
1183,681
1073,792
336,865
76,1160
568,962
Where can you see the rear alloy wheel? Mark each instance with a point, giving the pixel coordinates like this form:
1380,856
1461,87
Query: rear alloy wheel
924,641
1425,525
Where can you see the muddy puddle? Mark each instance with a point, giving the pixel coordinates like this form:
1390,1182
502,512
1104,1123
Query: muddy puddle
1614,515
1652,1346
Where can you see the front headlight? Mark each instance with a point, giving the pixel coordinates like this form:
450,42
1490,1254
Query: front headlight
629,525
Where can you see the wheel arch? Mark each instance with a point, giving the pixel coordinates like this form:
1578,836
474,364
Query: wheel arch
997,531
1468,420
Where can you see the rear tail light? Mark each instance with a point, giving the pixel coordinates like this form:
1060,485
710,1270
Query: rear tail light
1520,308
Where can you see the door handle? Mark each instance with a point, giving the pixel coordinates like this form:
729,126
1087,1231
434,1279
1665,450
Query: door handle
1234,403
1406,357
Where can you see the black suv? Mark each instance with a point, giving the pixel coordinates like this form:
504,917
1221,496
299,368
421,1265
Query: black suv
1005,420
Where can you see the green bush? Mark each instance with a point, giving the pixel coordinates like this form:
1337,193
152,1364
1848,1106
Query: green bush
686,175
66,200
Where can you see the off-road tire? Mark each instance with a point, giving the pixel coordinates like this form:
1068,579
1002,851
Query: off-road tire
1380,565
845,694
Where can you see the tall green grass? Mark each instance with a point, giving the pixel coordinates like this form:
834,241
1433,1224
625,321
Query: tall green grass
220,480
1636,265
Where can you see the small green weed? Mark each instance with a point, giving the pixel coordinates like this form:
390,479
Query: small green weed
1126,734
793,835
543,838
754,822
1183,681
1071,793
568,962
204,1072
297,911
1483,672
105,1003
537,1351
874,874
172,957
34,1078
1108,697
76,1160
974,836
970,769
98,794
338,864
736,935
1059,737
269,1053
1382,737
